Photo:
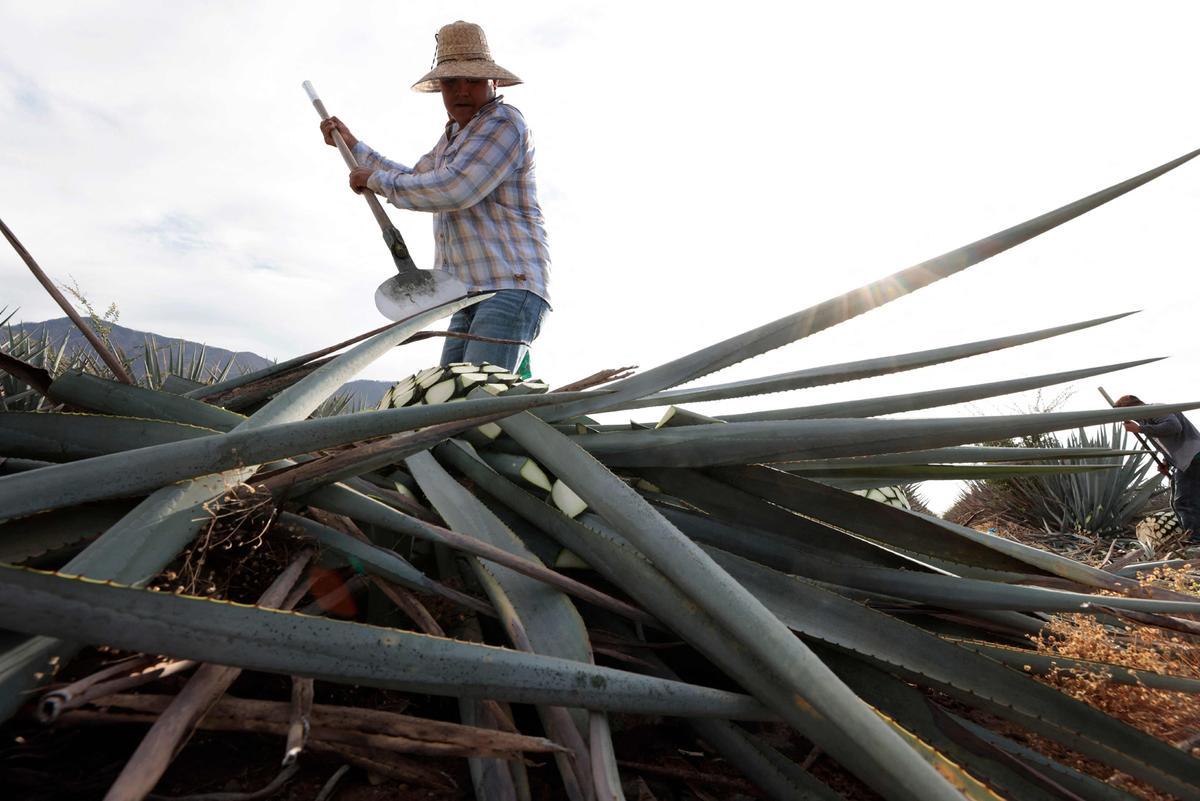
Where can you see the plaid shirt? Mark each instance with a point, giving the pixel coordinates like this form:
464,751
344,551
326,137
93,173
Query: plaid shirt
479,183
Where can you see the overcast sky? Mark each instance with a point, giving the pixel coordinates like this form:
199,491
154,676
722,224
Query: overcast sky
702,172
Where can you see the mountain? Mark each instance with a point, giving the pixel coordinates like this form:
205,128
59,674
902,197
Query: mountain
133,344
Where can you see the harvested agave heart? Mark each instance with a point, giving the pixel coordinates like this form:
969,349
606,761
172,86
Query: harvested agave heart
454,382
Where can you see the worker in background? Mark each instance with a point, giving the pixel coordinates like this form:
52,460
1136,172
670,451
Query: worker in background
1180,441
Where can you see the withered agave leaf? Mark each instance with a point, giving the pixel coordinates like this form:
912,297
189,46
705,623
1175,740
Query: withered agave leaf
836,310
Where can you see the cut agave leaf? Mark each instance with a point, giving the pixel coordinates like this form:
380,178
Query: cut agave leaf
568,560
9,465
57,437
158,528
1081,784
518,468
178,385
789,440
465,381
876,531
893,404
678,416
857,478
856,370
482,435
933,725
963,454
255,638
85,391
398,397
30,539
538,618
934,539
622,564
566,500
429,376
528,387
1045,664
440,392
983,682
851,732
131,472
402,488
850,304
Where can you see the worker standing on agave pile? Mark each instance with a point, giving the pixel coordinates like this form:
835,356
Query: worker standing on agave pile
1180,441
478,181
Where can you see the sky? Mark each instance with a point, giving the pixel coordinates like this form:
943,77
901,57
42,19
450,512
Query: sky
703,170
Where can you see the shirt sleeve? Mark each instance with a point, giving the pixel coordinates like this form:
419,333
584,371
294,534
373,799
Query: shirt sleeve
1161,426
369,158
484,159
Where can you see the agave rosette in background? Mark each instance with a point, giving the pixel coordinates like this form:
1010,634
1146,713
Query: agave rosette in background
866,627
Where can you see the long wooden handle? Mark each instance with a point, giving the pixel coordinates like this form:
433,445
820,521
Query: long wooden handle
381,217
101,349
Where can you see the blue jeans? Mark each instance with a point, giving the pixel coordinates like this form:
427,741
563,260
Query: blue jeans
1186,497
509,314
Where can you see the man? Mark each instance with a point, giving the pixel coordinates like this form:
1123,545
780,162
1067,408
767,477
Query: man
1180,440
478,181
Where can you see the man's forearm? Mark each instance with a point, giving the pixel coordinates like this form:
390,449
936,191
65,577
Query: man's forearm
376,161
1160,427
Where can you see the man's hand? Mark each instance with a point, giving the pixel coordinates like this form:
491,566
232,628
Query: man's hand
1164,469
333,123
358,178
1132,427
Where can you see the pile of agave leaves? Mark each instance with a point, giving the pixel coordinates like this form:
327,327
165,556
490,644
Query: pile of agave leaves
842,618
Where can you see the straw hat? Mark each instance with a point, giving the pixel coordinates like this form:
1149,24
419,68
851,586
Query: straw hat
462,52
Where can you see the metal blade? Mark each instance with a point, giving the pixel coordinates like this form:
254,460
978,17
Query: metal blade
402,296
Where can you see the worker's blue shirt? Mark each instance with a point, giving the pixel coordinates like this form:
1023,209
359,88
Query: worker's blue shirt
1178,437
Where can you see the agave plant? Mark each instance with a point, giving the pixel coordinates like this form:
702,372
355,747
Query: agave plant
866,628
34,349
1104,503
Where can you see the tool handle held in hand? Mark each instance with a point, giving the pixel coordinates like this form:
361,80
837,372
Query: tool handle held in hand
1151,449
380,215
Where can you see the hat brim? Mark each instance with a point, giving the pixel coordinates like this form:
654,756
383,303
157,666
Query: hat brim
465,68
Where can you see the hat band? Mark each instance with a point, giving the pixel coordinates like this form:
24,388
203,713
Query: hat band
465,57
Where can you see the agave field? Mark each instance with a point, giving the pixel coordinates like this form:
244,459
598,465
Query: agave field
487,541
